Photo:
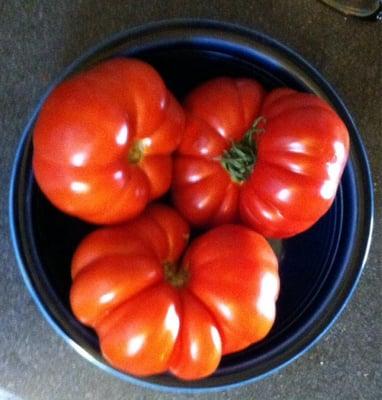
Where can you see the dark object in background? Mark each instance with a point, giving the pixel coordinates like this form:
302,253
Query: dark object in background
370,9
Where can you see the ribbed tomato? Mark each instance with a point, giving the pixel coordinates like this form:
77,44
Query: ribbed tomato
154,310
103,141
274,161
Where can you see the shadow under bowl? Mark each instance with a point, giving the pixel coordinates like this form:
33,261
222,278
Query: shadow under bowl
319,268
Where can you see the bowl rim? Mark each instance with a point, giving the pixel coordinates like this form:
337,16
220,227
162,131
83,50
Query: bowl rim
213,26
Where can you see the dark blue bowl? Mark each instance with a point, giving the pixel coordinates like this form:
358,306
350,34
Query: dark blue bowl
319,268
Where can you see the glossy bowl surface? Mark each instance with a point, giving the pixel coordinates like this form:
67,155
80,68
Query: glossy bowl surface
319,268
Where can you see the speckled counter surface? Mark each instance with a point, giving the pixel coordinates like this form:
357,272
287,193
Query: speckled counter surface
39,38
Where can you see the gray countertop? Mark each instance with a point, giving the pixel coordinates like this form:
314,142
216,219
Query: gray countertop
39,38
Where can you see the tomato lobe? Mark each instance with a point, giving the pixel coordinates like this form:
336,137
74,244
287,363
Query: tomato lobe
156,309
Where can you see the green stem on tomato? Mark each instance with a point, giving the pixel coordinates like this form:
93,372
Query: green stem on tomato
240,159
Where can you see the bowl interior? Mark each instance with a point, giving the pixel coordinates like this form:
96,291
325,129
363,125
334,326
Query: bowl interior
312,264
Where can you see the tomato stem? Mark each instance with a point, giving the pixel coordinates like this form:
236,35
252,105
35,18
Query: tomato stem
135,153
174,275
240,159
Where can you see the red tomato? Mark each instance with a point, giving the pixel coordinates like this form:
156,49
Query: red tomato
103,140
154,312
279,173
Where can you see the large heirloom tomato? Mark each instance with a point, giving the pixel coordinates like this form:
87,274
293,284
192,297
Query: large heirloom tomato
154,311
279,172
103,141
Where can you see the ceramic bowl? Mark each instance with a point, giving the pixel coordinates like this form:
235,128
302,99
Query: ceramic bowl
319,268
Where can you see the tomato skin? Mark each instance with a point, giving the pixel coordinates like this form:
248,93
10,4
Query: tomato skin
198,348
234,273
147,320
300,161
300,157
106,282
140,335
103,141
217,113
